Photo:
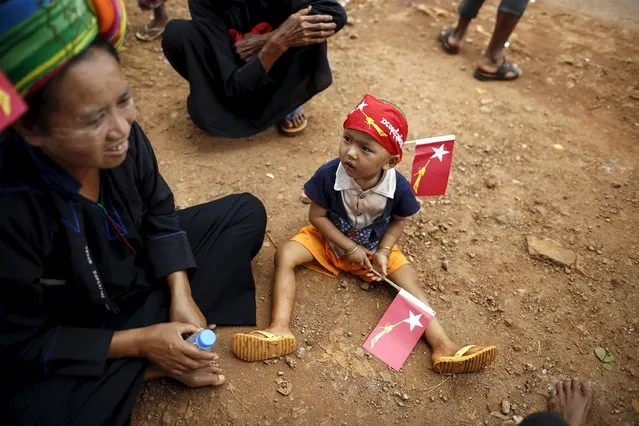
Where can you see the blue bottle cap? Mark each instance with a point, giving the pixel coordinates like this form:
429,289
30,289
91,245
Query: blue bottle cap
206,339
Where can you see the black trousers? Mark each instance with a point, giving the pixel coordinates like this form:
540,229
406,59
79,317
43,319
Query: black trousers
544,418
225,235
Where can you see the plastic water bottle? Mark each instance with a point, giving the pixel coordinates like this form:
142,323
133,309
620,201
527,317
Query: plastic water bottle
204,340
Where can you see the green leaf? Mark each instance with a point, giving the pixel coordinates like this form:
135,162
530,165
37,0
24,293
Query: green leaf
607,366
609,358
601,353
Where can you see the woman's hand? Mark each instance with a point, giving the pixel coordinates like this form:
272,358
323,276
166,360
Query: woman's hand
251,45
303,29
184,309
360,257
164,346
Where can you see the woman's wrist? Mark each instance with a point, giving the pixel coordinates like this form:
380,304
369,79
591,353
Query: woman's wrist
127,344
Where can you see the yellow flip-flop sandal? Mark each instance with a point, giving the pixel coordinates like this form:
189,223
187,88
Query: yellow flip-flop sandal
293,131
462,363
260,345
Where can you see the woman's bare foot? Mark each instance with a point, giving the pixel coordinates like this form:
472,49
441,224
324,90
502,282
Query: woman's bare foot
572,400
294,121
207,376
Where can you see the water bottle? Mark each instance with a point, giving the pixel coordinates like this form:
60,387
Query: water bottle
204,340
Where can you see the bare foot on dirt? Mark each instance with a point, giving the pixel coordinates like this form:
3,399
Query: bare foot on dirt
572,400
207,376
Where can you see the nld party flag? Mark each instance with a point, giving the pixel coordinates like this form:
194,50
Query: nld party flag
431,166
399,330
11,104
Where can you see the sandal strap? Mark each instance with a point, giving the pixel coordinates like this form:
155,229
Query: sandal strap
263,334
291,115
460,353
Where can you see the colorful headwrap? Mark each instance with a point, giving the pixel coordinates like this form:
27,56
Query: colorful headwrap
383,121
38,37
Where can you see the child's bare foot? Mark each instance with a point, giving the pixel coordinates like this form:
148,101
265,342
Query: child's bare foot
572,400
207,376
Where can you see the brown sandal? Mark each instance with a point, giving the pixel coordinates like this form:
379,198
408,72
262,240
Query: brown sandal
462,363
260,345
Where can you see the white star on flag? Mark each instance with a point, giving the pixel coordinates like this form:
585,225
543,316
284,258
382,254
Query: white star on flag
413,320
439,152
361,106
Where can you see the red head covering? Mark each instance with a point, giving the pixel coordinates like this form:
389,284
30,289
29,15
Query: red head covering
384,122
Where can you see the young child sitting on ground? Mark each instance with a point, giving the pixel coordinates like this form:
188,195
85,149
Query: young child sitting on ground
359,207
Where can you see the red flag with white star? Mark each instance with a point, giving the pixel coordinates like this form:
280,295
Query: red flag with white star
431,166
399,330
11,104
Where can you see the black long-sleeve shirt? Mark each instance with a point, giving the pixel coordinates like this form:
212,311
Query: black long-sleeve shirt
67,264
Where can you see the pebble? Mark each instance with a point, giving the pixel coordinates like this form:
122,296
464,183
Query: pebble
300,353
485,101
280,373
518,419
491,182
365,286
530,367
517,348
291,362
505,407
167,418
405,397
310,342
400,403
304,199
445,265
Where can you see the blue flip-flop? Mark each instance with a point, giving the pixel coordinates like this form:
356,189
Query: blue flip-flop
293,131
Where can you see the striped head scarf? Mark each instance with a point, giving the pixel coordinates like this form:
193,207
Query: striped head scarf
39,37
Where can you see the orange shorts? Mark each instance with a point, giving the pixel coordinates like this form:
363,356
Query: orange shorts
328,263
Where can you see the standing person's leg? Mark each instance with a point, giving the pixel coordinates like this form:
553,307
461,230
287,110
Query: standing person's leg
225,236
451,38
153,29
447,356
494,65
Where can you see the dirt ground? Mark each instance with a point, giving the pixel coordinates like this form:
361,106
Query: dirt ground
552,155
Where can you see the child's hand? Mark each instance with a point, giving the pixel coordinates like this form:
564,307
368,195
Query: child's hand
380,263
360,257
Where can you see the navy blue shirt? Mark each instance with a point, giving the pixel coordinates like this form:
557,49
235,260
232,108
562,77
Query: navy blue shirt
320,189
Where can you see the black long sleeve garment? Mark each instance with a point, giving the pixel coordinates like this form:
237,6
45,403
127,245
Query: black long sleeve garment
67,264
232,98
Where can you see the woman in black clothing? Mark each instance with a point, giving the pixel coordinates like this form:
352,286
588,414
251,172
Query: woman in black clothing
100,277
252,64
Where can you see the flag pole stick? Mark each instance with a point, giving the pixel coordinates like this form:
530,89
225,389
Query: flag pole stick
383,277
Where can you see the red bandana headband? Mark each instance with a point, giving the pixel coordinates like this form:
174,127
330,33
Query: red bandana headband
384,122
